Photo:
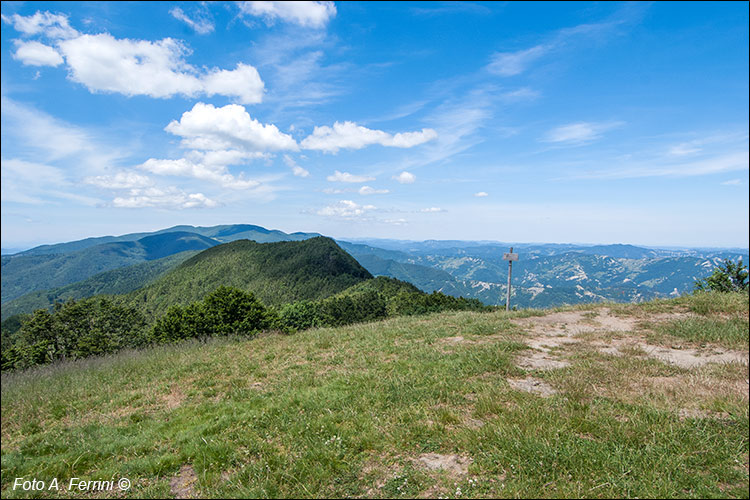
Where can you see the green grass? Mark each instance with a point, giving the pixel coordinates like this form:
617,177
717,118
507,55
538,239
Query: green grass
731,333
346,412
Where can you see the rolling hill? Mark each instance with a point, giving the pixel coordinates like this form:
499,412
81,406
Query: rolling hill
117,281
28,272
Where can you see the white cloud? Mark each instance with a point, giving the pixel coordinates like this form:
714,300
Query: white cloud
36,54
365,190
121,180
230,127
243,82
432,210
49,139
169,198
37,184
200,25
347,177
307,14
346,209
349,135
184,167
405,177
684,149
157,69
513,63
296,169
42,23
579,133
481,194
733,182
713,165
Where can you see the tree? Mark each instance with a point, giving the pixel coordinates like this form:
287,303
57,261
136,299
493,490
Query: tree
727,277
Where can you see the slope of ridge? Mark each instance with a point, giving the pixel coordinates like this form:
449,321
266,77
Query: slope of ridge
116,281
25,273
584,402
275,272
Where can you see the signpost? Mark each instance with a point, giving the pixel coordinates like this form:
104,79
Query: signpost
510,257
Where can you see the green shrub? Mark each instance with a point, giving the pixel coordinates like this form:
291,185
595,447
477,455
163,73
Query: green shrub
74,330
226,311
726,277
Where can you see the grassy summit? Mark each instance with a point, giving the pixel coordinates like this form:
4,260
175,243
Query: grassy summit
597,401
275,272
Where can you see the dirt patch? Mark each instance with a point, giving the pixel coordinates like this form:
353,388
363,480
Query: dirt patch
183,484
684,358
537,360
532,385
456,465
174,398
686,413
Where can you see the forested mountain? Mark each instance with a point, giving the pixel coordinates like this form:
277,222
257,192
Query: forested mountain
222,234
53,266
546,275
28,272
276,273
117,281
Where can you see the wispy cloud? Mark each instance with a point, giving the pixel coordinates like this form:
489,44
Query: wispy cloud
580,132
202,24
729,162
513,63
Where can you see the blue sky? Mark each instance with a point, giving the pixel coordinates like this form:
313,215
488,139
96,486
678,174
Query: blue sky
528,122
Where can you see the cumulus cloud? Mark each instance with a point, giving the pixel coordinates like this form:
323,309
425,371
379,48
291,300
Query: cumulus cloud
104,63
121,180
349,135
169,198
579,133
346,209
230,127
365,190
36,54
405,177
347,177
200,25
306,14
42,23
432,210
481,194
184,167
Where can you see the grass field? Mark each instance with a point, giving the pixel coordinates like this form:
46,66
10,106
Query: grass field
580,402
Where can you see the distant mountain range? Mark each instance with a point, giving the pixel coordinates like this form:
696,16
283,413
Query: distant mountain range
172,263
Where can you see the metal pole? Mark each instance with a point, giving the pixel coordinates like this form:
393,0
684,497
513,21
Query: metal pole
510,269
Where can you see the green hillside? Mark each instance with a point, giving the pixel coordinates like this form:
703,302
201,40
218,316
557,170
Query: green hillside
117,281
276,273
442,406
25,273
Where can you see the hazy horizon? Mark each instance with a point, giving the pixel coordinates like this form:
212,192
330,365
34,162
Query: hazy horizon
557,122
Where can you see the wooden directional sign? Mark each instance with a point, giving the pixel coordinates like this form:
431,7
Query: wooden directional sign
510,256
